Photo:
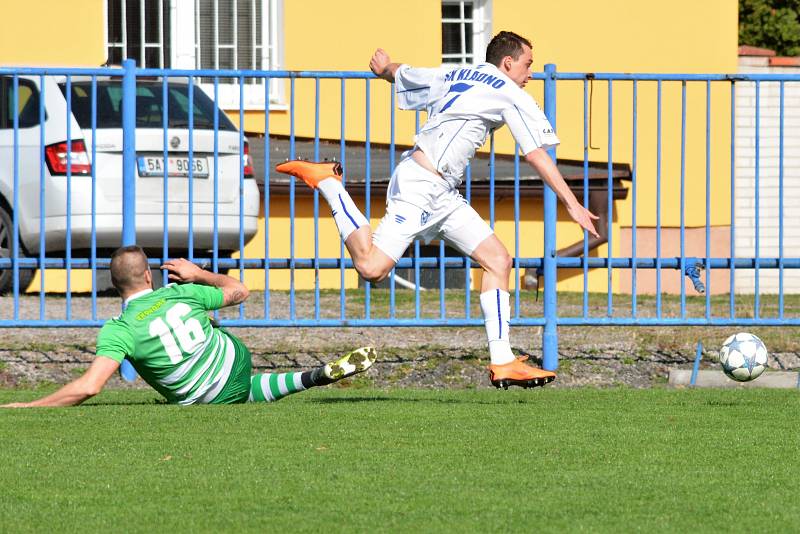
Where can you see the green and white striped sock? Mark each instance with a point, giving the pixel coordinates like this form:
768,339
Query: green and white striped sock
269,387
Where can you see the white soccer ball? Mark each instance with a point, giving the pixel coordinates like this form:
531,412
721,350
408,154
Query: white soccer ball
743,357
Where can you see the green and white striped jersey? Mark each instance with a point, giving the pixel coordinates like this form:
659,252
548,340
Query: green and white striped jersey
168,337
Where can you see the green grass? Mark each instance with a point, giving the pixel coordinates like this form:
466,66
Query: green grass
367,460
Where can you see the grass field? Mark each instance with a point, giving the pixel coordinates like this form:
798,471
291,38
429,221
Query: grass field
407,460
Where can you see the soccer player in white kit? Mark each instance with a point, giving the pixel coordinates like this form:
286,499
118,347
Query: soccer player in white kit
464,105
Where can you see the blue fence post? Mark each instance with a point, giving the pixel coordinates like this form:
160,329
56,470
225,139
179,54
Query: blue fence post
126,370
550,337
129,153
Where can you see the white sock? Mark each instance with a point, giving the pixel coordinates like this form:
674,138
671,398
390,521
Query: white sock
347,216
496,314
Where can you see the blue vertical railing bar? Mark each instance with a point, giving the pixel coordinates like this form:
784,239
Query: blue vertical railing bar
291,199
610,201
516,230
708,200
467,264
342,298
267,168
584,259
316,202
165,180
367,179
417,281
658,200
491,180
441,280
215,213
42,202
215,177
129,152
781,125
731,302
392,284
15,245
682,272
68,240
241,188
635,135
93,243
190,112
550,334
756,301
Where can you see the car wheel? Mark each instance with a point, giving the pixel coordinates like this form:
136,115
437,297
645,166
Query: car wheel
6,249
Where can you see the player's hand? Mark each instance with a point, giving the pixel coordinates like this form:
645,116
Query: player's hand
182,270
380,60
583,217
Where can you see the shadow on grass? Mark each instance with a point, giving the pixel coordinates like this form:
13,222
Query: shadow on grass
379,399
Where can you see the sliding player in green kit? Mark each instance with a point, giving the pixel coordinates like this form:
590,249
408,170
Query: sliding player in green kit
170,340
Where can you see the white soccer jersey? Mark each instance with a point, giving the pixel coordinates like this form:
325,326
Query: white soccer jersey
464,104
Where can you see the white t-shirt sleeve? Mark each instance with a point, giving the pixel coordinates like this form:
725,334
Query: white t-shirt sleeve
529,125
416,88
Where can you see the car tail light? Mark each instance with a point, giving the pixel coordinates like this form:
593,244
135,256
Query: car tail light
247,160
56,156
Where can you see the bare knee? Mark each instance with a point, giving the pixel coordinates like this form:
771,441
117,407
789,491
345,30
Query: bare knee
499,264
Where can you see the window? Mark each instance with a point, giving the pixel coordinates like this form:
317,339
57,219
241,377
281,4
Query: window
466,30
139,29
27,103
201,34
149,106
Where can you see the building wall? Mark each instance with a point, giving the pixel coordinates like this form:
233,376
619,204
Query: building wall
611,36
53,33
768,175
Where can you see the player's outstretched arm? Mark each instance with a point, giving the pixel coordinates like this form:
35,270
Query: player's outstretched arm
87,386
541,162
181,270
381,64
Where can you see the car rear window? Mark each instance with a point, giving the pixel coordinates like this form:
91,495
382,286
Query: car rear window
149,106
27,109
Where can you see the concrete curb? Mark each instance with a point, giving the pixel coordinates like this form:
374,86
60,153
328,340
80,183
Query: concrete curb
717,379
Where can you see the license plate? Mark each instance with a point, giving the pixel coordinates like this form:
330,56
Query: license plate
176,166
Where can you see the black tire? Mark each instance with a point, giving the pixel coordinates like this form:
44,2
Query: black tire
6,249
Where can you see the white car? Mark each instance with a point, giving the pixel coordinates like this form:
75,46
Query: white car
230,162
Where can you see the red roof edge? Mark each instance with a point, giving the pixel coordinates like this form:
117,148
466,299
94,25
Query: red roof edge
784,62
747,50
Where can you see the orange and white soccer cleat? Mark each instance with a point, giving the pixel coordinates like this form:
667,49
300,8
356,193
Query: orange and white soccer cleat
517,373
312,173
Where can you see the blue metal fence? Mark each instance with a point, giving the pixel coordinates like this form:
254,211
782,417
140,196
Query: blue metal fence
548,264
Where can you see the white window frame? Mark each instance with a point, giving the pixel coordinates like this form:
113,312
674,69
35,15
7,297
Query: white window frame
481,30
185,51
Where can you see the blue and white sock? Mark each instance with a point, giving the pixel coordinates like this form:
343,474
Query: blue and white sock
346,215
496,308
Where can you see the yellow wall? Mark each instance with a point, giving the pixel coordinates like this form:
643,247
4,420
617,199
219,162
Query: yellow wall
682,36
53,32
576,35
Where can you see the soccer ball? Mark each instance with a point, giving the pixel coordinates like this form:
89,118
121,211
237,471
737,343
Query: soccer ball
743,357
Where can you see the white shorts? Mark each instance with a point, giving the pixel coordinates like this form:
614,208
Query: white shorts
421,204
